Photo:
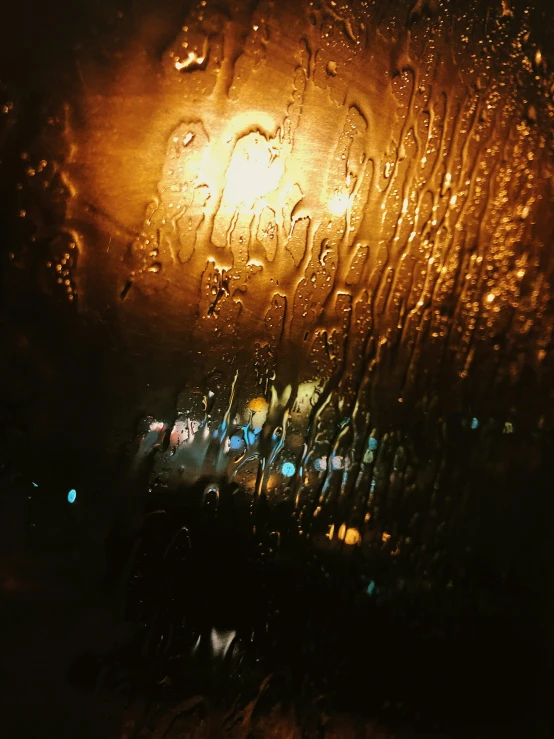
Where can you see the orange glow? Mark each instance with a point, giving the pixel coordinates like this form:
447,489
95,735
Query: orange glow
258,404
192,58
350,536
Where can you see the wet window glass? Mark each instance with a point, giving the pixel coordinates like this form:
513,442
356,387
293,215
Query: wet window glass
277,377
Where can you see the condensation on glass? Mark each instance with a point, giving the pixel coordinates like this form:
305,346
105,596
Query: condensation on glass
312,240
320,222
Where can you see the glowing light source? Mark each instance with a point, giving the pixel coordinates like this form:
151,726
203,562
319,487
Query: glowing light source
338,205
321,464
350,536
179,433
337,463
255,170
221,642
288,469
72,496
474,423
258,404
192,60
236,442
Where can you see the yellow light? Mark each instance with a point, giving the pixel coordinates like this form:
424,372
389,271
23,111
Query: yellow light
338,205
490,297
350,536
258,404
259,408
192,58
255,170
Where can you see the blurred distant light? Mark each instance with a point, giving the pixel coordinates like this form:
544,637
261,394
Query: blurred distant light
350,536
72,496
221,641
179,433
288,469
35,485
236,442
368,457
373,444
371,587
474,423
321,464
258,405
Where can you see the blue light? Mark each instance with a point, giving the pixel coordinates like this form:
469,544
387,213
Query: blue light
371,587
474,423
236,442
35,485
288,469
321,464
373,444
337,463
72,496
